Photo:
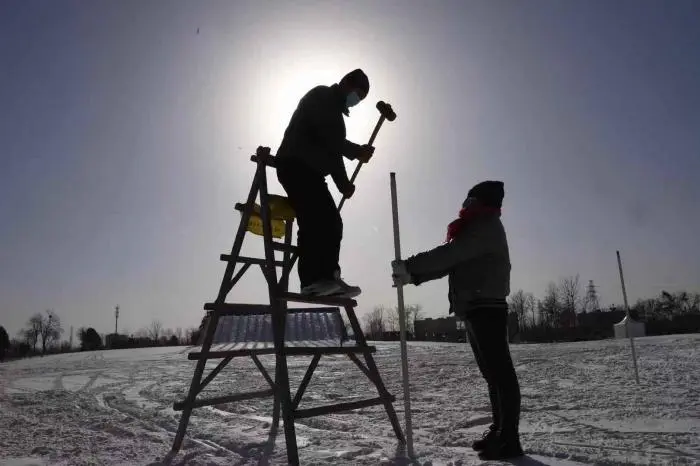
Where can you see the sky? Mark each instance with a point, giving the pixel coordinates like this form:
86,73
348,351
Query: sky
125,138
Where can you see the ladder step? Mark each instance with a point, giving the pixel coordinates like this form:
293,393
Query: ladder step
327,300
233,353
180,405
238,309
349,406
289,351
248,260
277,246
233,309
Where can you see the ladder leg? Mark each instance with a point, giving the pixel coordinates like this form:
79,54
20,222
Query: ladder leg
374,371
283,394
279,312
226,283
212,322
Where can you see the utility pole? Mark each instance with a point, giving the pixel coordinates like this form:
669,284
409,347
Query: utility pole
116,318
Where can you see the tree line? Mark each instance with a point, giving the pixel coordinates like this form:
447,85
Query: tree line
43,331
565,312
382,322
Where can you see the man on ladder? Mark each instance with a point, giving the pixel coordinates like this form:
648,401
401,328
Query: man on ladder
312,148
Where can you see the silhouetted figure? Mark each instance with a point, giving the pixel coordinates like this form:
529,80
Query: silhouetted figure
477,260
312,148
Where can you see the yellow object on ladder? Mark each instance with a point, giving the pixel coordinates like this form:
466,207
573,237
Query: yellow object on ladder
281,213
255,226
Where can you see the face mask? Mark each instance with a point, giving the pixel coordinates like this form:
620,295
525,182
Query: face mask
352,99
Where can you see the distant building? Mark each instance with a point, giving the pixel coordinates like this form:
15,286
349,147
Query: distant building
440,329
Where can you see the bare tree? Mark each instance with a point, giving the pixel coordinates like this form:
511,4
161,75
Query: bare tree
51,329
415,312
570,296
32,333
374,322
154,330
179,334
517,304
391,319
531,306
550,307
193,334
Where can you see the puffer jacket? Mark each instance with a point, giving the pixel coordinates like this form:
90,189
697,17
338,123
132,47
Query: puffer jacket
477,262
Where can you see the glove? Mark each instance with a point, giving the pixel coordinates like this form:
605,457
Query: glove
399,273
365,153
347,190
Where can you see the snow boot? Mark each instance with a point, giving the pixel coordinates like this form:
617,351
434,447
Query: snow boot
502,448
488,437
335,287
346,291
322,288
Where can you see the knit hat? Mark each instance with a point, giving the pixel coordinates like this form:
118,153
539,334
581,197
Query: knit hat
489,193
356,79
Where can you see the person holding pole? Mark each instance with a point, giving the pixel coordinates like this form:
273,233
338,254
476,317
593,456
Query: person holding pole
312,148
477,260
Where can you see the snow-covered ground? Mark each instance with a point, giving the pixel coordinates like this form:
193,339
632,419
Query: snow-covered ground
580,406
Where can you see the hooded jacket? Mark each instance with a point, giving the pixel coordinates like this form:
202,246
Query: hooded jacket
477,262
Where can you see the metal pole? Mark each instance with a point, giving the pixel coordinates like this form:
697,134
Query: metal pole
627,318
402,323
116,319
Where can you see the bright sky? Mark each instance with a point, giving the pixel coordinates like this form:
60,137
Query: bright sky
125,139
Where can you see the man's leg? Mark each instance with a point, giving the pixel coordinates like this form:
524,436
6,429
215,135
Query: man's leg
328,226
304,188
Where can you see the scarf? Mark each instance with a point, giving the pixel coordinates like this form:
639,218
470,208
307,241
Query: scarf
466,216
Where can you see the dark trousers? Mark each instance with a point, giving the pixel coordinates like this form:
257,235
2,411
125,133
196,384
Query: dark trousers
320,225
487,332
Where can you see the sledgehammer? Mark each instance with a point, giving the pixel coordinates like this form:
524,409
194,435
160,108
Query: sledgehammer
386,113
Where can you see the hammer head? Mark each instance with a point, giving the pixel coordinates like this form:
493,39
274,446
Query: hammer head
386,111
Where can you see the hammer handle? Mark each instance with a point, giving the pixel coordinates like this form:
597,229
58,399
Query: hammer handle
359,165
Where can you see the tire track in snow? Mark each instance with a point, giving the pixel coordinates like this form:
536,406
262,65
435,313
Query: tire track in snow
91,381
670,450
122,388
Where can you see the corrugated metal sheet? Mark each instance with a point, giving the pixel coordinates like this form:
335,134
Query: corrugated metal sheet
301,327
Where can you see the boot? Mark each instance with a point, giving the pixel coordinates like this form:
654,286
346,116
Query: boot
345,290
503,447
488,437
322,288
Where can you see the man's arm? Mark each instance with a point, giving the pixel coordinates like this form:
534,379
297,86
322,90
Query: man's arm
437,262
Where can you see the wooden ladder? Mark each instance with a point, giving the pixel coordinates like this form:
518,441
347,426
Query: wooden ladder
284,403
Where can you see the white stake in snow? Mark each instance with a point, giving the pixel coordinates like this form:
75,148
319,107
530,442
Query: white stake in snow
627,320
402,323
